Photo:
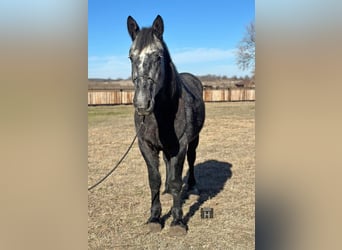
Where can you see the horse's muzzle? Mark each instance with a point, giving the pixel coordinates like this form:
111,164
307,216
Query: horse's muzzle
145,110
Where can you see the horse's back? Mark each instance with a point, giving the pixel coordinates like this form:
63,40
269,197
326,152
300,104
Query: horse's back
192,84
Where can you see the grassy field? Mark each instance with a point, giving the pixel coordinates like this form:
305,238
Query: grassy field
225,171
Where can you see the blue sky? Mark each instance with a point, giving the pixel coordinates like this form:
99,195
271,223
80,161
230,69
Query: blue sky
201,35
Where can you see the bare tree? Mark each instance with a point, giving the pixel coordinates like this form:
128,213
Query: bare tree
245,55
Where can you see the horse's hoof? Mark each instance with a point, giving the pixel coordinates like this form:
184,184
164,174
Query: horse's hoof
177,230
154,227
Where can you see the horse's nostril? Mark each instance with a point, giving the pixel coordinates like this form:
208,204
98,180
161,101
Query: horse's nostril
144,109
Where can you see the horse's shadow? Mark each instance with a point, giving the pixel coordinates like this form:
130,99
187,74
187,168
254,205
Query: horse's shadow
211,177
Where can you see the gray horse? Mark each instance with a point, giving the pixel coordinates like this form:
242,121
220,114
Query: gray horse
169,111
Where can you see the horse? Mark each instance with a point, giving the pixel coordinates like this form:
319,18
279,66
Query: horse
169,115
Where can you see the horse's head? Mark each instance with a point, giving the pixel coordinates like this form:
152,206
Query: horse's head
148,65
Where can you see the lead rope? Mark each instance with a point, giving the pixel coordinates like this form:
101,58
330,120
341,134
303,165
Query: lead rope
122,158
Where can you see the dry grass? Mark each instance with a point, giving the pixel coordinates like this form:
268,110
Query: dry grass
225,170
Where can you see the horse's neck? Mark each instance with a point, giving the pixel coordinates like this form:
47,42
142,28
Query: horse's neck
171,93
175,83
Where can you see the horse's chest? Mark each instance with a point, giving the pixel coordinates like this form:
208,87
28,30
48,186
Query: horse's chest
151,134
164,133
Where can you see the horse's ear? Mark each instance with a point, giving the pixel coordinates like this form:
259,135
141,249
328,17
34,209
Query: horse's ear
158,27
132,27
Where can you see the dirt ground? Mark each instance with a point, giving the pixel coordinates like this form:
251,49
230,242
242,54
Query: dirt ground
225,172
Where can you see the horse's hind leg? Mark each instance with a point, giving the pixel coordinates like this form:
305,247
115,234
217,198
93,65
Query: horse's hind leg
167,163
191,156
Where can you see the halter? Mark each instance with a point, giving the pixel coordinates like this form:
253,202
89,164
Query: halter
145,78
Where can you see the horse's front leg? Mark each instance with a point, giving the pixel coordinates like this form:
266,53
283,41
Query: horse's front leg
175,185
152,161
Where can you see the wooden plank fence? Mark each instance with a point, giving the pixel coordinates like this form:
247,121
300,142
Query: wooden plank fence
115,96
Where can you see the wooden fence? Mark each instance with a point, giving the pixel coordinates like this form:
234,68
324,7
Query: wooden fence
120,96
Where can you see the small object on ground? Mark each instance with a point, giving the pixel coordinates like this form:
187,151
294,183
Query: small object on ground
207,213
